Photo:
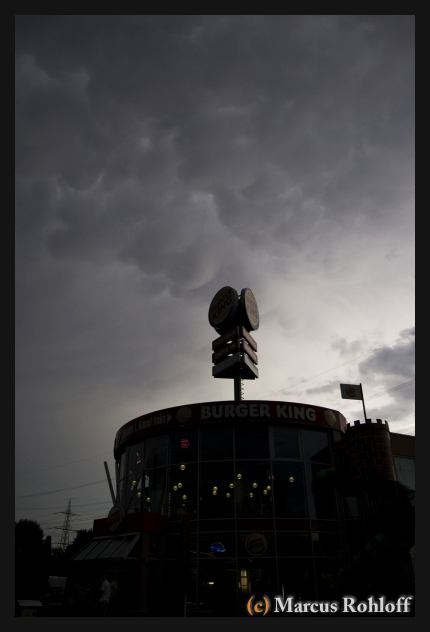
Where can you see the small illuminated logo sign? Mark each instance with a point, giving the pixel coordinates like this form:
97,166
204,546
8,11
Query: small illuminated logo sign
256,544
217,547
185,443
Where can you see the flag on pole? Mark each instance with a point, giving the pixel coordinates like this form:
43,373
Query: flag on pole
351,391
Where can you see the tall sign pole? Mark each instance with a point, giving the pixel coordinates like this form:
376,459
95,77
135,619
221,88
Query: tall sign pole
233,317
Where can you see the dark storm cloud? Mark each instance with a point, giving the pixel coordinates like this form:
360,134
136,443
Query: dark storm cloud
396,361
187,104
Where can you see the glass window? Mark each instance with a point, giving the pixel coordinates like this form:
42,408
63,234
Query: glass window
286,443
133,492
216,443
252,441
95,552
350,506
136,457
217,545
326,545
253,489
154,490
255,545
113,545
217,588
84,552
156,451
294,545
289,489
322,504
216,490
327,572
296,577
123,465
183,445
127,545
405,469
182,492
316,446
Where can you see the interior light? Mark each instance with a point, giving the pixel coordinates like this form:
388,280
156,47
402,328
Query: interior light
214,492
231,485
268,488
264,491
291,479
254,485
139,494
239,476
228,495
175,487
182,467
215,489
251,495
179,485
148,500
184,497
134,482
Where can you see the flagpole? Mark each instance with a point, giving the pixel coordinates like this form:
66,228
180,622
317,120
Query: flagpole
362,399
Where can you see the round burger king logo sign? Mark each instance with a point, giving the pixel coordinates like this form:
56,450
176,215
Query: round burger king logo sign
256,544
223,307
114,518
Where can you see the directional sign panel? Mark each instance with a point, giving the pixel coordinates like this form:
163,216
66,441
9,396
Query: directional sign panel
230,367
230,335
221,354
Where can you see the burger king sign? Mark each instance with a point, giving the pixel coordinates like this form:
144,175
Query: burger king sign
256,544
223,308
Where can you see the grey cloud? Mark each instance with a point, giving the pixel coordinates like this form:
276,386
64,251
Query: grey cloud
397,360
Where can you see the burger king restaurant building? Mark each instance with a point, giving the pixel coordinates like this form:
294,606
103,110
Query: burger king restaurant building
218,501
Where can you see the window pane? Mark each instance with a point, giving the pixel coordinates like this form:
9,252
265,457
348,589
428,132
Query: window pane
322,504
183,445
405,469
326,545
136,457
255,547
286,443
102,544
154,491
156,451
296,577
252,441
289,489
216,443
217,545
182,492
294,545
216,495
253,489
315,446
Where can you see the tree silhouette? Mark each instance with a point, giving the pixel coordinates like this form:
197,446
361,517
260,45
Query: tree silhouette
28,559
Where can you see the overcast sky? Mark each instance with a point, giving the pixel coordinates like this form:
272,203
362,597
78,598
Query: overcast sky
160,158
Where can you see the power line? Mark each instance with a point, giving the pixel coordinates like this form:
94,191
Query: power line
337,367
65,489
103,502
54,467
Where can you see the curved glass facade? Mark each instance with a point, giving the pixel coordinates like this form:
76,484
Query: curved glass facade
239,495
